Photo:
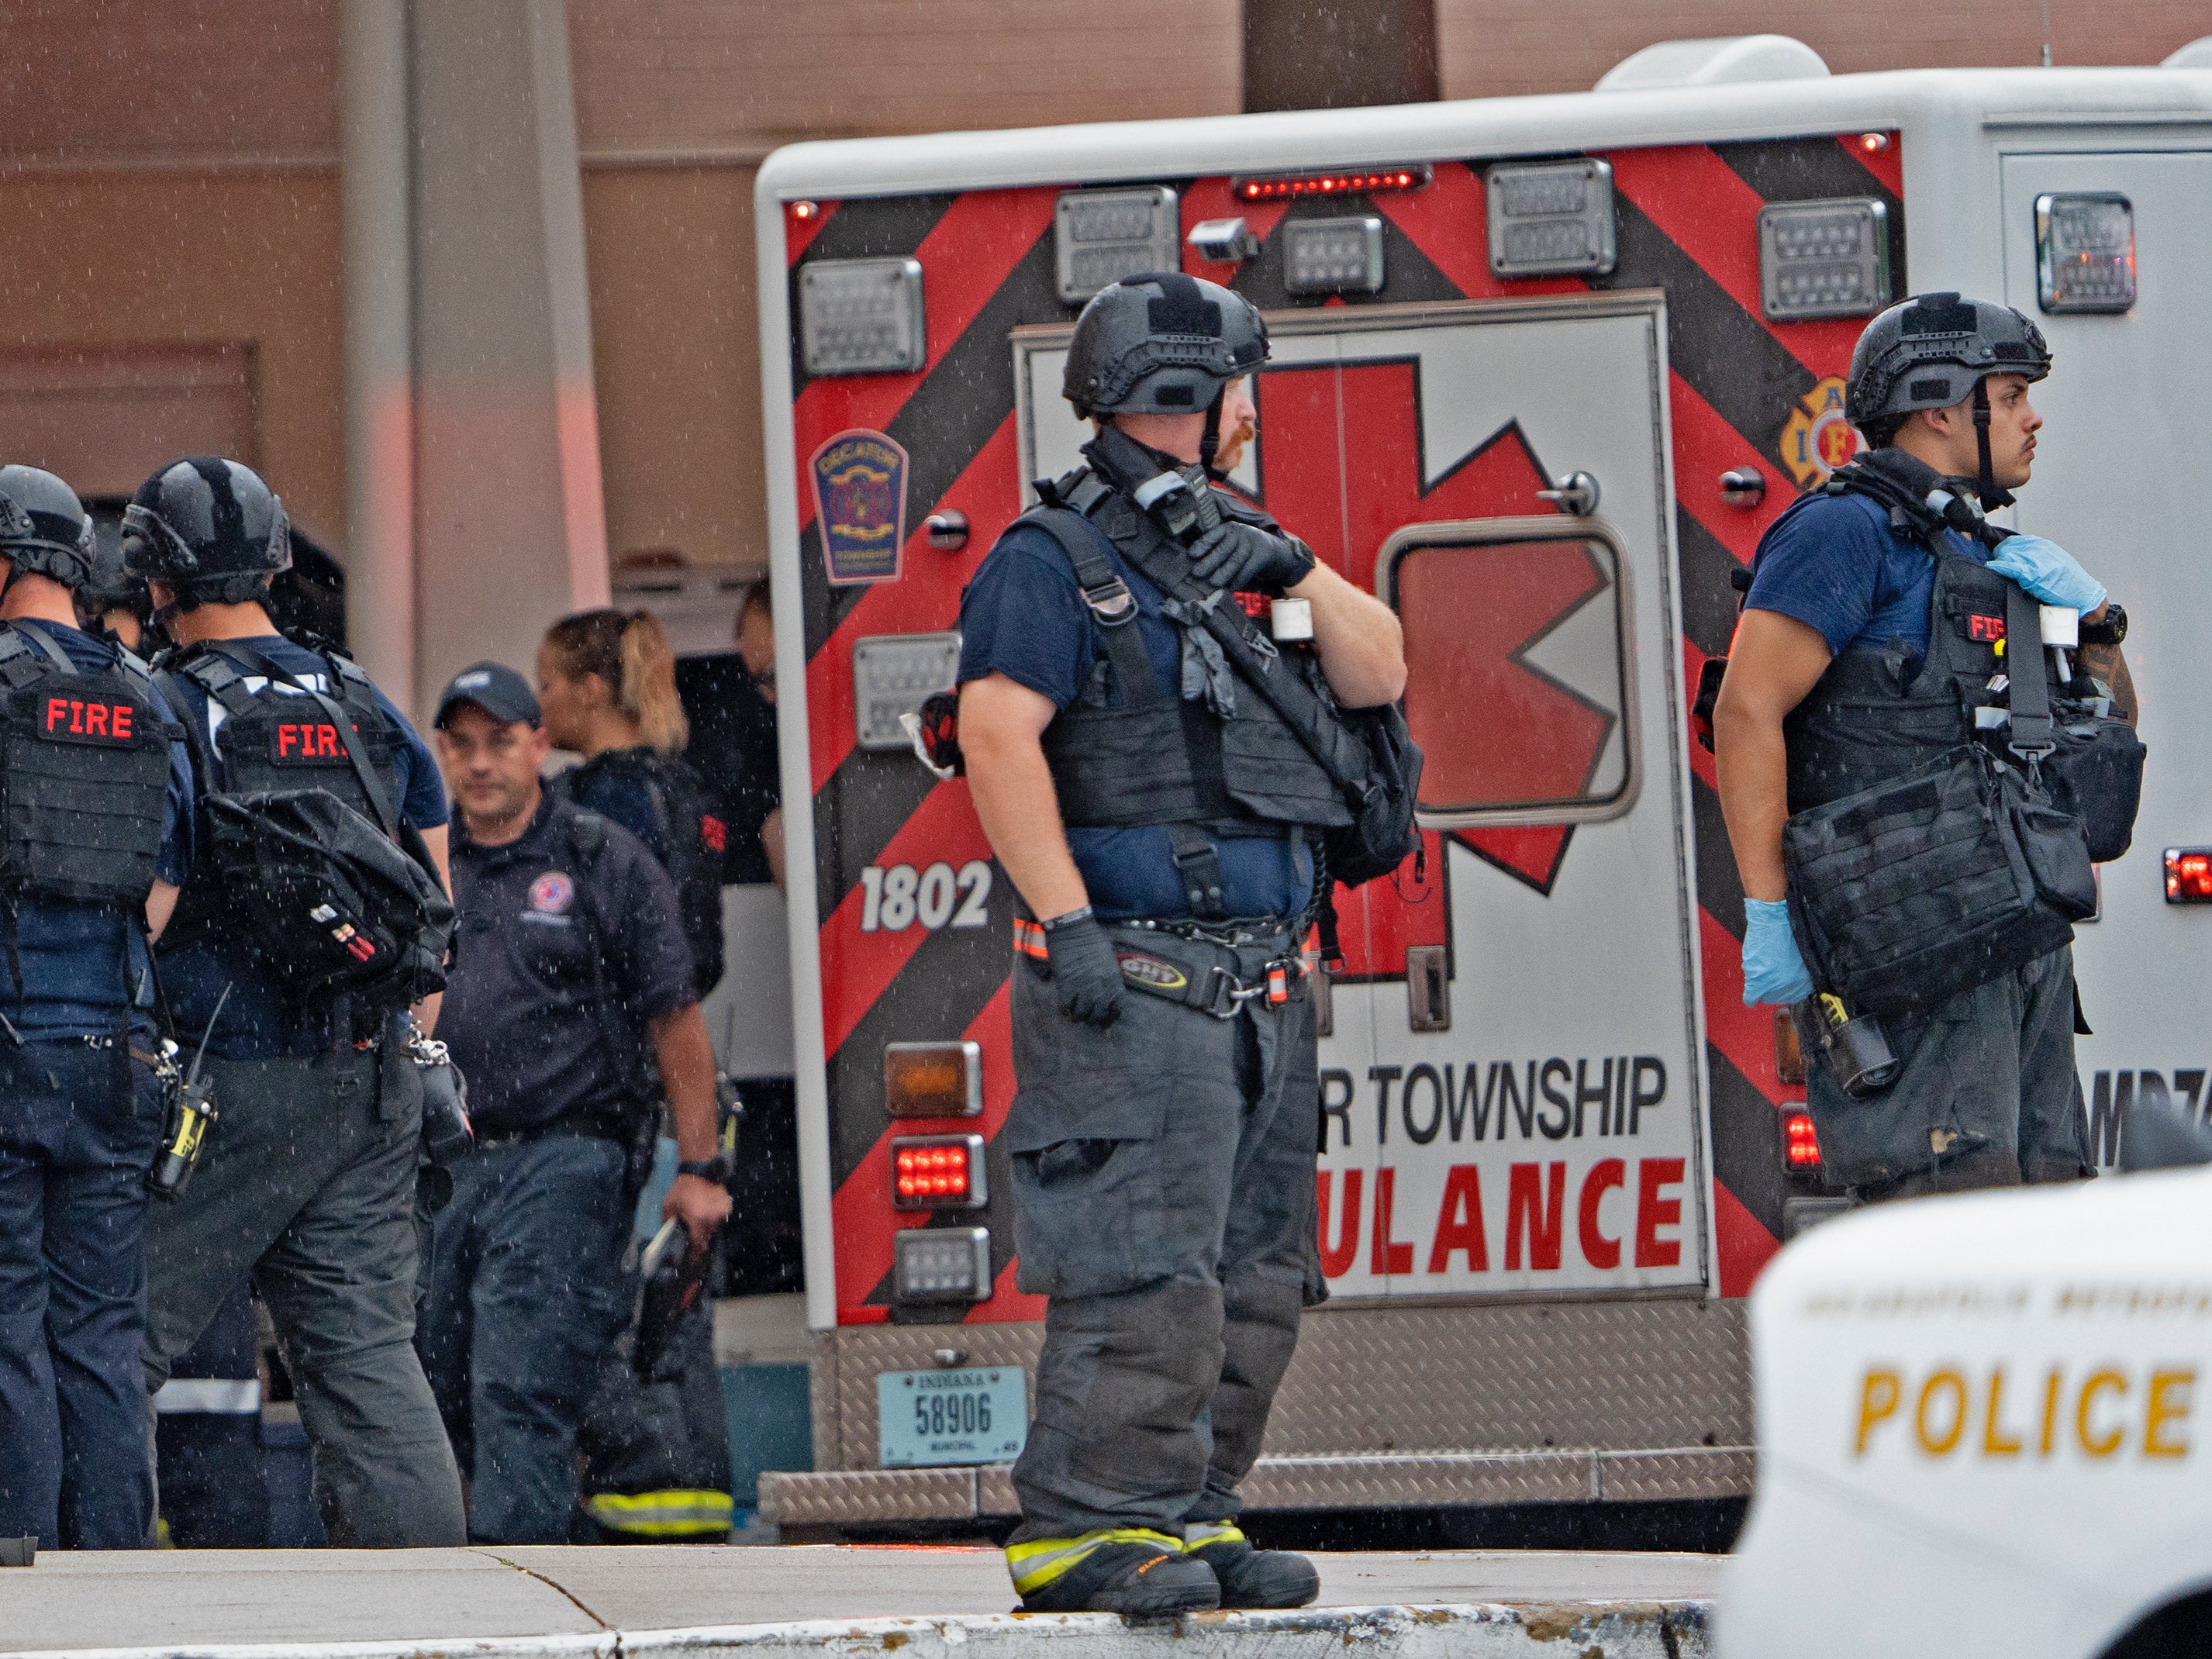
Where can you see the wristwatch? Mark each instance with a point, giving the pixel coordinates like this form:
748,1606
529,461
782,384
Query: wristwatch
2110,631
719,1168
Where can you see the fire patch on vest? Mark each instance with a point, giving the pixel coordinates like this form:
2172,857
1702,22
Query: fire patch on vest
76,719
305,743
1986,629
1151,971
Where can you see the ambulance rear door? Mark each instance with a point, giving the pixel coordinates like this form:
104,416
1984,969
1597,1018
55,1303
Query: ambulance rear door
1513,1062
2119,473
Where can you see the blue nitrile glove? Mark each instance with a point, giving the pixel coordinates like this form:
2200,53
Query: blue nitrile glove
2048,571
1772,969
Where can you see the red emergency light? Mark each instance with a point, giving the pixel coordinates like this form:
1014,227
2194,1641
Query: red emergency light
2189,875
1801,1145
1298,186
936,1172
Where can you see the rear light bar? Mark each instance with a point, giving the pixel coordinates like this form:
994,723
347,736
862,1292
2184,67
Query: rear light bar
2189,875
941,1264
1801,1146
938,1172
933,1080
1298,186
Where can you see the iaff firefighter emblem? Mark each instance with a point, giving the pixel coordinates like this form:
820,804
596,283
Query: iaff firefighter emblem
859,501
1816,438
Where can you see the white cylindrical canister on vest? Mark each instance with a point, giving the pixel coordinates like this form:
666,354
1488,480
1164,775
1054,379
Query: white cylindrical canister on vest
2062,626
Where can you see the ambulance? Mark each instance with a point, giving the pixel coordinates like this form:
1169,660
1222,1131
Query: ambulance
1544,369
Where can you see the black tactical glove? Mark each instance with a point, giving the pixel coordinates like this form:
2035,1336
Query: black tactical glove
1084,968
1246,559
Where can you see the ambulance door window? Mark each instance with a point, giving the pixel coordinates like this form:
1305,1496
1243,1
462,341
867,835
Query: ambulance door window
1517,671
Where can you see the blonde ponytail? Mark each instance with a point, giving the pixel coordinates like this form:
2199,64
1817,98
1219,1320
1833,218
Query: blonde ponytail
648,684
629,653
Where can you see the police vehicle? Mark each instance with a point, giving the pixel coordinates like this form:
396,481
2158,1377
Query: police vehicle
1544,369
1982,1429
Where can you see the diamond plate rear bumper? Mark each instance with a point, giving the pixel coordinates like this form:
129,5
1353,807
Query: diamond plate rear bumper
1392,1407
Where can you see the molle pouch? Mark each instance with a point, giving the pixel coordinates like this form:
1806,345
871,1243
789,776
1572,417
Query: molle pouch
2057,851
2095,774
1907,893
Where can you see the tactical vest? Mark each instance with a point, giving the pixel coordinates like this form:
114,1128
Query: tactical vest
274,740
84,775
1155,757
1873,716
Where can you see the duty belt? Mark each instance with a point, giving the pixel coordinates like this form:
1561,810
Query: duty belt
1214,990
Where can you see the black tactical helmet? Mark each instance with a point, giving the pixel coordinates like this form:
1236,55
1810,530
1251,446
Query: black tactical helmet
112,587
1931,352
1937,350
1161,343
50,534
209,528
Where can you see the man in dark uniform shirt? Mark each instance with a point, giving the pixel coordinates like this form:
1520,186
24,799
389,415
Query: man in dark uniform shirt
571,960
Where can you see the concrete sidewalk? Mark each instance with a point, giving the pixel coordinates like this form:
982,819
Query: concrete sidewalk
570,1603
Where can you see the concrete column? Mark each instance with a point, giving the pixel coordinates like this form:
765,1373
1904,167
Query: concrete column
379,555
510,524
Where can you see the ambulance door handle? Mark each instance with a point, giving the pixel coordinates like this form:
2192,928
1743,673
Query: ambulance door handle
1428,989
1577,492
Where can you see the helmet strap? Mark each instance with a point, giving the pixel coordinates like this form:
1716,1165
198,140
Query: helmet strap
1209,441
1986,485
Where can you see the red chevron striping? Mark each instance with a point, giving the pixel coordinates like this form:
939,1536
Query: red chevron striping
926,600
965,259
1887,164
798,234
993,1029
1701,758
1447,222
861,1206
1742,1243
857,967
1704,207
1745,1035
1706,446
1209,198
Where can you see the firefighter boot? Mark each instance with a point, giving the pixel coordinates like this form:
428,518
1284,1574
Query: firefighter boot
1126,1570
1251,1578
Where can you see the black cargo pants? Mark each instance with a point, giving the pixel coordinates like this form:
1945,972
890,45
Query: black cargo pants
1163,1175
1988,1096
308,1180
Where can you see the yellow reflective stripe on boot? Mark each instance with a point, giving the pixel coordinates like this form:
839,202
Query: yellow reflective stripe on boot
1037,1563
671,1514
1197,1534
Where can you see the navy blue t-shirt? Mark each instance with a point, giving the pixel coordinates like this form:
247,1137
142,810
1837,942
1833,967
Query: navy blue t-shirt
1835,564
80,966
259,1021
1024,616
520,1013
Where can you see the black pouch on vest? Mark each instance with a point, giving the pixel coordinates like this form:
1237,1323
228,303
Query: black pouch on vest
1911,891
1381,837
2095,774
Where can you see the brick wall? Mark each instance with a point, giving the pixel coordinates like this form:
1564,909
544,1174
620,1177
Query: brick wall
1487,48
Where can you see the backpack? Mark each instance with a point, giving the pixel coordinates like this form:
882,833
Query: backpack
330,901
685,838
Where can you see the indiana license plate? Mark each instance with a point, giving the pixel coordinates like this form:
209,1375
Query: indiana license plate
978,1415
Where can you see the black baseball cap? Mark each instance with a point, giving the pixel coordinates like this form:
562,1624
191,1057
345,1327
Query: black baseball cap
493,687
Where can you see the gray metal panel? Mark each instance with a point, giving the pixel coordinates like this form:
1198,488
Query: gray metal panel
1601,1375
1443,1481
1335,1483
845,1434
858,1497
1691,1471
